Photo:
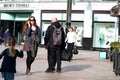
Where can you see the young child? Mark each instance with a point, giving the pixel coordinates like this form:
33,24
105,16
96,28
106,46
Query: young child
8,66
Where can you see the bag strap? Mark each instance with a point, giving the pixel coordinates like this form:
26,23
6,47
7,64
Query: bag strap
57,28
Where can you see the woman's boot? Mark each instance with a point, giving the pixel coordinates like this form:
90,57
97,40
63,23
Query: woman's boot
28,72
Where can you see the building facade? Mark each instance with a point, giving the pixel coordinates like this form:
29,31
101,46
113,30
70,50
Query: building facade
95,28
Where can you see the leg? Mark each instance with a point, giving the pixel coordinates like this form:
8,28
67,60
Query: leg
3,75
28,61
70,48
58,59
9,76
5,42
51,63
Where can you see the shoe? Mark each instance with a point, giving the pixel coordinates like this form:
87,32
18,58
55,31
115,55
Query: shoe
28,72
49,70
58,71
53,69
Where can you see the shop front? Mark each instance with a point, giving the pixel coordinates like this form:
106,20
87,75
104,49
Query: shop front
14,22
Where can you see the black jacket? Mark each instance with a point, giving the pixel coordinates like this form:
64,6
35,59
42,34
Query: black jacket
9,63
49,33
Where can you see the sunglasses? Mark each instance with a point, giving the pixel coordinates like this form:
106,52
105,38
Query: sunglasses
32,20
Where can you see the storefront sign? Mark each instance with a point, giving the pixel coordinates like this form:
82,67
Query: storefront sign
16,5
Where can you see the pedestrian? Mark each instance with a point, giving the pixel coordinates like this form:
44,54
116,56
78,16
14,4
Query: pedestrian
70,40
31,42
6,36
54,53
9,55
1,39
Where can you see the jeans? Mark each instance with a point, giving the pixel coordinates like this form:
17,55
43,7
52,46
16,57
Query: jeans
7,75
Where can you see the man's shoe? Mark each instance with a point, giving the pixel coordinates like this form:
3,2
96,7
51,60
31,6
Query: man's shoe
53,69
58,71
49,71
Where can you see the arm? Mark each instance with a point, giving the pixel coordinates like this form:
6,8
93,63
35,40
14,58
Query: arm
28,34
75,38
47,34
39,33
3,53
66,37
19,53
63,35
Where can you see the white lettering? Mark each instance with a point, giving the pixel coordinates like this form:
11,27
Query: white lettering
16,5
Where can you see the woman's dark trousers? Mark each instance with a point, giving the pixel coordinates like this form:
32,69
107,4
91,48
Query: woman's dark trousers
29,60
70,48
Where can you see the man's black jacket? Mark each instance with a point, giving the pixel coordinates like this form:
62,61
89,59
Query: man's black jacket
49,33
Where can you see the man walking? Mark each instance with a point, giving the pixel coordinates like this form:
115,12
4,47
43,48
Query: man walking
54,52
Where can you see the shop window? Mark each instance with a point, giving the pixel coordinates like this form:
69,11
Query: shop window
104,34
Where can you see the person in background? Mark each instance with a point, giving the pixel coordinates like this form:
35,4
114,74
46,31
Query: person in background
6,36
31,43
1,39
9,55
54,53
70,40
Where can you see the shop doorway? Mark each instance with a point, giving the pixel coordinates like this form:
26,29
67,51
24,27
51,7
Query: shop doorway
15,27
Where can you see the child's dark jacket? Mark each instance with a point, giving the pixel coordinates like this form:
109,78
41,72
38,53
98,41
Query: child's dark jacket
9,63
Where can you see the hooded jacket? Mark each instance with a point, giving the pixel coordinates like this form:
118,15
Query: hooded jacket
49,33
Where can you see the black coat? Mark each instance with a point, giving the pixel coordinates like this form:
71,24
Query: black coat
49,34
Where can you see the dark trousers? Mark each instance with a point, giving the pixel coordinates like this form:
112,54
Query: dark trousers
70,48
54,57
29,60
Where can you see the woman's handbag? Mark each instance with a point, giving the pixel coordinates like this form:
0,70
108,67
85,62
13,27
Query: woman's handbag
26,46
75,50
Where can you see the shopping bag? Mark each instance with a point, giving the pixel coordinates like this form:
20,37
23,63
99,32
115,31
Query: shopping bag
65,55
75,50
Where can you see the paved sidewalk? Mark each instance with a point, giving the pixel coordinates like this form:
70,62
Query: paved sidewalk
84,66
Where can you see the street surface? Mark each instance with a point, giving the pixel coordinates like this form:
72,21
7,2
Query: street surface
84,66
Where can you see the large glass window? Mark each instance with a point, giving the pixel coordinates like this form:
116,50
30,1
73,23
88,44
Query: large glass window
104,34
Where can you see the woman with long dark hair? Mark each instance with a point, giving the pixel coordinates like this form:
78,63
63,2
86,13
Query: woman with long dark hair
32,35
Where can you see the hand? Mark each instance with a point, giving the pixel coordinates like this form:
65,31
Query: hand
46,47
29,25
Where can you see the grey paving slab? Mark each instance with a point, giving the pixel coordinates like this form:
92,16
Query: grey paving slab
84,66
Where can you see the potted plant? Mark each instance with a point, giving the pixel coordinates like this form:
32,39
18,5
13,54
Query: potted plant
113,47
